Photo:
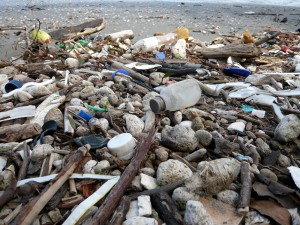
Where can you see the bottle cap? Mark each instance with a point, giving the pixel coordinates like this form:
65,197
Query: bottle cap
157,104
122,146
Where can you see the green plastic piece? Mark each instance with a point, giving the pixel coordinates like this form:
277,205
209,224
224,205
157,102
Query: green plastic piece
97,109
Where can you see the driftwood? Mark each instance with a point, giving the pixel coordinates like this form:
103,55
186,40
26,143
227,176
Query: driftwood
35,206
120,213
112,200
166,209
246,188
9,193
78,30
18,132
234,50
266,38
25,164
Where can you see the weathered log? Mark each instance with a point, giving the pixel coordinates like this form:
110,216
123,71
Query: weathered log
120,213
18,132
166,209
78,30
245,193
234,50
112,200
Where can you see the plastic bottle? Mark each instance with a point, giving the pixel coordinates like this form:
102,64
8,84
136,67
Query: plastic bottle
152,43
176,96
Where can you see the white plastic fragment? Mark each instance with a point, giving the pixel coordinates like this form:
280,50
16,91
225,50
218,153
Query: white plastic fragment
19,112
90,201
258,113
295,172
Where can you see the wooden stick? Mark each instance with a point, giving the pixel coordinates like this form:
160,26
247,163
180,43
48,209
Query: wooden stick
120,213
25,164
13,214
266,38
112,200
166,209
34,207
9,192
245,193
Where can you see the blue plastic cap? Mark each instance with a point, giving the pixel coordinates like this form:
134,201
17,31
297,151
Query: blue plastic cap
85,115
12,85
228,70
120,71
160,55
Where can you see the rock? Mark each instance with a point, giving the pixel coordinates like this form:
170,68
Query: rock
72,63
144,205
214,176
87,92
269,174
196,155
181,196
10,71
186,123
140,221
56,115
76,102
288,129
237,127
148,182
171,171
55,215
284,161
136,183
147,170
149,121
165,121
113,99
180,138
117,173
262,147
161,154
158,77
197,124
101,167
133,210
40,152
196,214
105,91
90,166
75,79
204,137
229,197
134,124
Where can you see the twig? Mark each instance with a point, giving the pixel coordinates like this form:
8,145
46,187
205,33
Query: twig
112,200
26,161
245,193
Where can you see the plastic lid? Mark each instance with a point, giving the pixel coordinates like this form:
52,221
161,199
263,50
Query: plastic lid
119,141
157,104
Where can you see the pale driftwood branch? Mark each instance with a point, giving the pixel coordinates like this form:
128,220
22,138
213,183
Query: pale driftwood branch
245,193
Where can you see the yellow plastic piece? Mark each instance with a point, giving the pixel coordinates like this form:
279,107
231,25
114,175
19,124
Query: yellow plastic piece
41,36
182,33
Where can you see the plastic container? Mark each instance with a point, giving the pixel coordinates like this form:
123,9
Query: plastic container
122,146
152,43
12,85
177,96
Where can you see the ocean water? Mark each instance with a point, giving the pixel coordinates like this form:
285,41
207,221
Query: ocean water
22,3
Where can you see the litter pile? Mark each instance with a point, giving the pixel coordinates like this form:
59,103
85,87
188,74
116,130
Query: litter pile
168,129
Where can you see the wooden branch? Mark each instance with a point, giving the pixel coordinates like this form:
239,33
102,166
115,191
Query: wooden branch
78,30
8,193
234,50
120,213
25,164
112,200
34,207
166,209
266,38
18,132
245,193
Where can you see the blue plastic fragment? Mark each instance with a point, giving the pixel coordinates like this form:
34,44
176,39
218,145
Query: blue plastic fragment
241,157
160,55
120,71
228,70
247,108
85,115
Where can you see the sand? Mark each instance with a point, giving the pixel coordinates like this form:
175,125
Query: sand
206,21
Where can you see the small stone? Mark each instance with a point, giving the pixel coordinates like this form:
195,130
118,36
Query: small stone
72,63
237,127
149,121
196,214
101,167
211,125
138,220
204,137
75,79
197,124
229,197
76,102
148,182
186,123
40,152
196,155
177,117
90,166
165,121
179,137
288,129
55,215
171,171
113,100
136,183
144,205
284,161
133,210
181,196
87,92
147,170
158,77
105,91
56,115
161,154
48,139
116,173
134,124
269,174
262,147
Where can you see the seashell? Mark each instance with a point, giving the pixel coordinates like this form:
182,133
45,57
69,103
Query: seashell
23,96
40,152
37,91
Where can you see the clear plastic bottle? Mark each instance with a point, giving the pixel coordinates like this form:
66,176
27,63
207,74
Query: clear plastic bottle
152,43
177,96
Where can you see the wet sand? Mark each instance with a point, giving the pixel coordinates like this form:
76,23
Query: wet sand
206,21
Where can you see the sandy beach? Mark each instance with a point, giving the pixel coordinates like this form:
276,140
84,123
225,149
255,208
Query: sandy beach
205,21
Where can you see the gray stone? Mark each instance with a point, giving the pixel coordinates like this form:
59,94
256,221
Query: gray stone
262,147
144,205
179,137
134,124
161,154
288,129
133,210
172,171
196,214
269,174
147,170
87,92
204,137
284,161
136,183
229,197
138,220
148,182
181,195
